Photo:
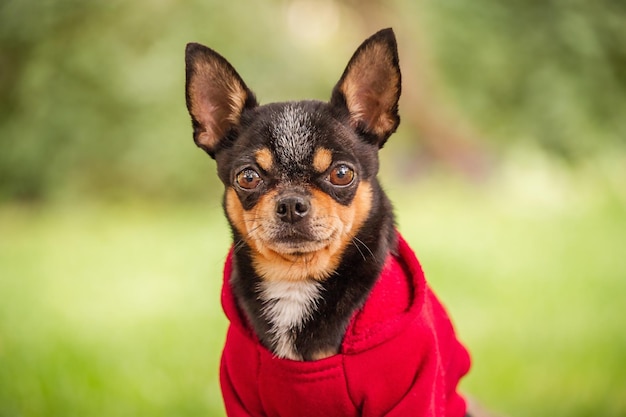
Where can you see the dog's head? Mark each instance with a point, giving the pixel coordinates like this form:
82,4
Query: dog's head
300,177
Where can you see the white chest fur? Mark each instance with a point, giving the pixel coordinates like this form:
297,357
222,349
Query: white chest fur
287,306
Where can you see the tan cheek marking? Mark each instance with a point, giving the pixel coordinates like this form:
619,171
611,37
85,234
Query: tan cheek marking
235,212
353,217
360,208
247,222
322,159
264,159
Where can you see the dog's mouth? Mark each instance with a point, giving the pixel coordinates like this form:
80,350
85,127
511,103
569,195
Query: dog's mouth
301,250
294,242
282,255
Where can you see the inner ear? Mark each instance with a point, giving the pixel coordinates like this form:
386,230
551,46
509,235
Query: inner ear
216,96
369,88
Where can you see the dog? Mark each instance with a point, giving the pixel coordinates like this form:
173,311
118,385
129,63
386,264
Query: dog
330,314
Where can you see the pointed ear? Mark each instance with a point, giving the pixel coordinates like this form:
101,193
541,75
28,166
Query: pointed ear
369,88
216,96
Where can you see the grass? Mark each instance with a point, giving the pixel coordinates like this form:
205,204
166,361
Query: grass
113,310
110,311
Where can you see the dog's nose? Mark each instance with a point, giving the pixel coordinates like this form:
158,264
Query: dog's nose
292,208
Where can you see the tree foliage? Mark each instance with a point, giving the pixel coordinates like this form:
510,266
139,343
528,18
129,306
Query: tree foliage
552,72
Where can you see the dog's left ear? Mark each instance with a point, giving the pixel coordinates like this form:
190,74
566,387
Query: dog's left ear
369,88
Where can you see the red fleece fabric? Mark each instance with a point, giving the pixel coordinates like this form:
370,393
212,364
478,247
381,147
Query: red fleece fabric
400,357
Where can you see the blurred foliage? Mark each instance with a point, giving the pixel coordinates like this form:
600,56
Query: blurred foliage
91,93
551,71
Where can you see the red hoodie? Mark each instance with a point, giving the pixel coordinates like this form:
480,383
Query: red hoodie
399,357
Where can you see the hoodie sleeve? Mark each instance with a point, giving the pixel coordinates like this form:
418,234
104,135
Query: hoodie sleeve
416,373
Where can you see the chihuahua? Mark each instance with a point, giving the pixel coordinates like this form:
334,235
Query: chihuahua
330,314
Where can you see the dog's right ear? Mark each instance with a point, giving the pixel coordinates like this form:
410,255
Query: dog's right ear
216,96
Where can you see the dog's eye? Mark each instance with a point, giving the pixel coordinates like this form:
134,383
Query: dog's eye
342,175
248,179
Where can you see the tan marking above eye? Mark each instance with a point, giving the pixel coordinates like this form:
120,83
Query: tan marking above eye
264,159
322,159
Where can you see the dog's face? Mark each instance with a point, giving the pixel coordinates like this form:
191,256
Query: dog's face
298,176
297,188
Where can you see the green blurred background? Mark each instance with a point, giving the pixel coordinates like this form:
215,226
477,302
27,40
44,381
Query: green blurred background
508,175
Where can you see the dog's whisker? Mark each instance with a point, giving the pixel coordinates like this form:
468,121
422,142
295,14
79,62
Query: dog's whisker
357,240
354,242
237,247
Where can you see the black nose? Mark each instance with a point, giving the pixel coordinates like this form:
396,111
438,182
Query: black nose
292,208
